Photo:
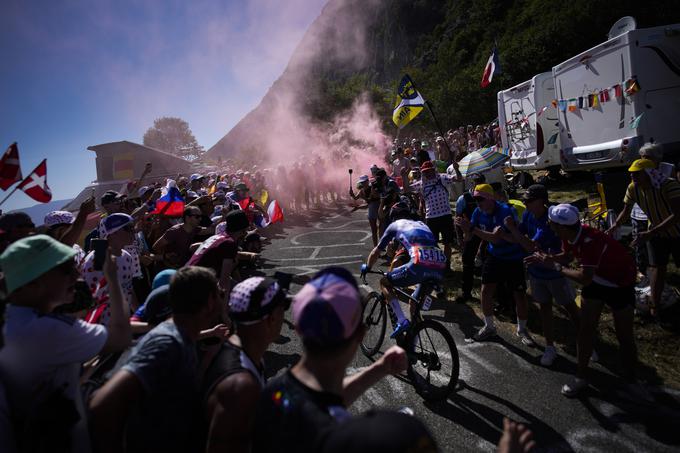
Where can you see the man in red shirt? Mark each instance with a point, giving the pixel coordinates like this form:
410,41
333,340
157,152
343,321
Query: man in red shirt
607,273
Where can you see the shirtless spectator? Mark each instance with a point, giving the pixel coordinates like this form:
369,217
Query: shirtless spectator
175,244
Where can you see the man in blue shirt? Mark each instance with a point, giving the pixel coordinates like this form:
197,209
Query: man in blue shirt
504,262
534,234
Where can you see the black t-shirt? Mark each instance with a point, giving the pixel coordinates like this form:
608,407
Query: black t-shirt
293,417
423,156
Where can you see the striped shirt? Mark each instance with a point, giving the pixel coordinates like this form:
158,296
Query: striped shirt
656,203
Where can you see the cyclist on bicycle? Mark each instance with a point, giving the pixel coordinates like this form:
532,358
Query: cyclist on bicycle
426,260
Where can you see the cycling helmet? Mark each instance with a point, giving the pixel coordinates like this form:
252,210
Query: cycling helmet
400,210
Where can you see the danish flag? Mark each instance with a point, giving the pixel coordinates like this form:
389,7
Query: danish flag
10,171
35,184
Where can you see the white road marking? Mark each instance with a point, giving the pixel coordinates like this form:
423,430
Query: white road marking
319,226
316,258
295,240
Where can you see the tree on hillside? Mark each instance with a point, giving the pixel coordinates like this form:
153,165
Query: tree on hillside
173,135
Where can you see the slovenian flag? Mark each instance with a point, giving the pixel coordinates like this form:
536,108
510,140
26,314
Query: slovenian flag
171,204
492,67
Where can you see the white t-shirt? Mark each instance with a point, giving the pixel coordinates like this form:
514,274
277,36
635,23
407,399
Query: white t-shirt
43,353
99,286
436,194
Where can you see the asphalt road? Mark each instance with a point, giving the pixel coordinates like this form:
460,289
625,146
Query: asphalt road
498,378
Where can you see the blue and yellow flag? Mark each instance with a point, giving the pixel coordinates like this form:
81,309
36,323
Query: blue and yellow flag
409,103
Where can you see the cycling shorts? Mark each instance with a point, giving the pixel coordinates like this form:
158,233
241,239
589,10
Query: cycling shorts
411,274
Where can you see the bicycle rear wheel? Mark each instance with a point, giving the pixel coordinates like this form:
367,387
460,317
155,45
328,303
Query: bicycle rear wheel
433,360
375,320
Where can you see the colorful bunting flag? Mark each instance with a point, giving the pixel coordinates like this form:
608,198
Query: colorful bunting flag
632,87
618,90
636,121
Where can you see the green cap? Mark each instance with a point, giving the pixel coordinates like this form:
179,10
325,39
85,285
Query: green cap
29,258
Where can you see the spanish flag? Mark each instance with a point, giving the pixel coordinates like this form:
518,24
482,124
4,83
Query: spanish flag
123,166
409,103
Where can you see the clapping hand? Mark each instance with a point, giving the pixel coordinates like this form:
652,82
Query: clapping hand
462,223
510,223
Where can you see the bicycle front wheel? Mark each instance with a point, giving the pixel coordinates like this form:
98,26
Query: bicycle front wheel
433,360
375,320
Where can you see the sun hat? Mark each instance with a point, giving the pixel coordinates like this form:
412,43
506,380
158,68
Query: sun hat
114,222
563,214
59,218
484,191
254,299
362,179
27,259
641,164
327,310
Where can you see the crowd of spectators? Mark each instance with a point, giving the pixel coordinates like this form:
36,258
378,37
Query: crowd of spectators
129,330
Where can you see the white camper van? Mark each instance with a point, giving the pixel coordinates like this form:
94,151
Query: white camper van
526,128
608,131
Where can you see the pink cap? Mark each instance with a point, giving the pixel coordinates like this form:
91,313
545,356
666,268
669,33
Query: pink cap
328,309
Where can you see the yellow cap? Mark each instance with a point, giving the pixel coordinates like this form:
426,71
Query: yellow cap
641,164
484,191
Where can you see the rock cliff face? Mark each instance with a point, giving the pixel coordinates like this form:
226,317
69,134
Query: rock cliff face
364,46
366,38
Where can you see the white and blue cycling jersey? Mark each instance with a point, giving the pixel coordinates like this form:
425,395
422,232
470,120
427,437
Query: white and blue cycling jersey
427,260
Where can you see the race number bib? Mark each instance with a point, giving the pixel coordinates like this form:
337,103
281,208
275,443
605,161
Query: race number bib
429,257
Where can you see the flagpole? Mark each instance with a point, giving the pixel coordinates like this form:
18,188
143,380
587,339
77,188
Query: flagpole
10,194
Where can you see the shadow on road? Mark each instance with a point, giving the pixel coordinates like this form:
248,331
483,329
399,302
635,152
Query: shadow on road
487,423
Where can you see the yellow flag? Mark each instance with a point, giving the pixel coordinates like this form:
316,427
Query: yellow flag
409,103
264,196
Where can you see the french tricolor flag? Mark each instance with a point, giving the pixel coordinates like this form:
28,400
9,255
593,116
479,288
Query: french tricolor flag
492,67
274,212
